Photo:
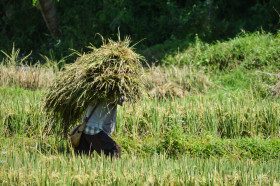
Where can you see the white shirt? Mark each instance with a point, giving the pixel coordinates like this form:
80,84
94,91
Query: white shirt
102,119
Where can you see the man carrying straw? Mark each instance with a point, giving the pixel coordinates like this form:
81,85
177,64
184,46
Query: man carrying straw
100,126
98,81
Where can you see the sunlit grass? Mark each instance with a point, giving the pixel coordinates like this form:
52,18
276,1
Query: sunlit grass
225,124
25,161
225,115
28,77
200,126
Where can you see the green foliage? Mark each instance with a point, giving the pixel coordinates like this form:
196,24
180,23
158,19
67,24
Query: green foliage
248,61
160,22
173,140
14,57
34,2
259,83
250,51
22,24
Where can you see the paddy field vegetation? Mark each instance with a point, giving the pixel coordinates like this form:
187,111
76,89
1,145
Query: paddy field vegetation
212,117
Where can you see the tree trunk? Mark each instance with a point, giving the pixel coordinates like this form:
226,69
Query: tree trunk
49,15
104,4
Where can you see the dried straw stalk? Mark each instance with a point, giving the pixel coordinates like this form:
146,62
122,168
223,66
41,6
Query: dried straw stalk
105,73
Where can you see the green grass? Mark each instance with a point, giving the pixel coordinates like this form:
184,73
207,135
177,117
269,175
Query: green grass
223,124
25,161
222,130
226,114
21,113
249,50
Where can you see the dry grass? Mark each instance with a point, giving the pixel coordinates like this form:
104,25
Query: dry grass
165,82
162,82
276,88
35,77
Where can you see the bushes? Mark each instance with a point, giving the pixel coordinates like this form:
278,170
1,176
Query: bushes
250,51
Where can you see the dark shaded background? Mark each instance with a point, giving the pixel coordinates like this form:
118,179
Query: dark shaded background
166,25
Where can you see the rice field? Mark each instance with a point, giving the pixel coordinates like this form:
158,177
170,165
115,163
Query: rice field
25,162
227,115
191,131
208,139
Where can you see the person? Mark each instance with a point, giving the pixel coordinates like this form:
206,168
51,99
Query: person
99,128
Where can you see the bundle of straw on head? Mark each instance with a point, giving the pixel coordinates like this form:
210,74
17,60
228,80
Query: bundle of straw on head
105,73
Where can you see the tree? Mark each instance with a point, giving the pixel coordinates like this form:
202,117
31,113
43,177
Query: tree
49,15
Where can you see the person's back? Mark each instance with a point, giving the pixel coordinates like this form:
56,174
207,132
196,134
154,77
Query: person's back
102,119
99,128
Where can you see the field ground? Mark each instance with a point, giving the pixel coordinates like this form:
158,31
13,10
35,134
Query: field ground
213,118
178,141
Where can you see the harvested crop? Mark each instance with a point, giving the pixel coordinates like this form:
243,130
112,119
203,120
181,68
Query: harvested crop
105,73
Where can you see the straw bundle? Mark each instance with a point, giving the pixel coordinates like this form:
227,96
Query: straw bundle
107,73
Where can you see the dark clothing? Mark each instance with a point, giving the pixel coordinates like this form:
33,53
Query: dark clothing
101,143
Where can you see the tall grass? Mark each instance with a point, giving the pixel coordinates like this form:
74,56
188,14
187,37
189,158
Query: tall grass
27,77
21,113
174,126
227,115
18,71
249,50
172,82
24,162
161,82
